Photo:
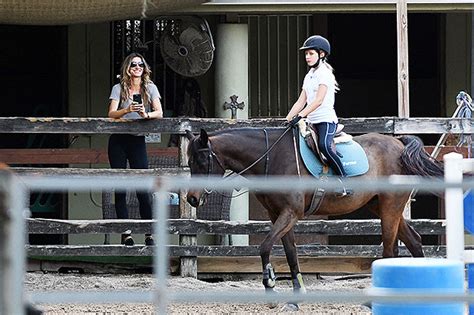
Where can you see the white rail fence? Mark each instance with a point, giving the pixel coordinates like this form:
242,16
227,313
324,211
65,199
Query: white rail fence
12,227
455,166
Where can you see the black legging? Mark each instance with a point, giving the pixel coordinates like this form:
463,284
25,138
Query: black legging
133,149
326,133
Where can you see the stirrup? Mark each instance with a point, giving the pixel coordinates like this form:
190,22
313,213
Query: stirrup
340,193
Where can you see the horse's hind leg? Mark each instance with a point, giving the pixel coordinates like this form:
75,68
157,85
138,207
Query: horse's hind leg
389,226
410,238
390,212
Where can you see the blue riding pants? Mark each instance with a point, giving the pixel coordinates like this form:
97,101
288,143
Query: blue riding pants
326,132
123,147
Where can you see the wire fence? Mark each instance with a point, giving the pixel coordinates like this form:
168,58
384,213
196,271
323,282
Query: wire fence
16,188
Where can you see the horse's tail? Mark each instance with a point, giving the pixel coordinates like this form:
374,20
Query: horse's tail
416,161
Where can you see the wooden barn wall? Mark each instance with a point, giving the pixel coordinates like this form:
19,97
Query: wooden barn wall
276,68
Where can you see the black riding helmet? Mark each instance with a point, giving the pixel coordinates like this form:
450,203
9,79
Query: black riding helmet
317,43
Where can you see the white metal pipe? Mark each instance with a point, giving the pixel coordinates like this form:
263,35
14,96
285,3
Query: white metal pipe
160,257
262,184
13,242
252,296
454,207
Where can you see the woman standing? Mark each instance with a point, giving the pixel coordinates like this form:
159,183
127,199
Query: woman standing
316,102
135,97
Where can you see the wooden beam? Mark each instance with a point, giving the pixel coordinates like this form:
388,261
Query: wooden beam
253,264
95,265
387,125
99,156
196,226
69,156
203,250
327,6
402,49
51,171
432,126
188,265
68,125
225,266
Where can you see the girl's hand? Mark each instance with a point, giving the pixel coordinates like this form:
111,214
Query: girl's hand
294,121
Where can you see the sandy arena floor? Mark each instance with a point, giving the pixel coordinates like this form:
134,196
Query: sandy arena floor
40,282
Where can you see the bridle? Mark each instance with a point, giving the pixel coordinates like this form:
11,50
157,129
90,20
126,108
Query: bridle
210,158
211,155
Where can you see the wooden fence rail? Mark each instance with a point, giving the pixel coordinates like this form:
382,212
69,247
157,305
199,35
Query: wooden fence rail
47,156
199,227
387,125
366,251
196,226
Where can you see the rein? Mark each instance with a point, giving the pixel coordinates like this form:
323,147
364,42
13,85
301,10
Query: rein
265,154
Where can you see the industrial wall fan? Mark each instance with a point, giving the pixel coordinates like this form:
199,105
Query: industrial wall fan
187,46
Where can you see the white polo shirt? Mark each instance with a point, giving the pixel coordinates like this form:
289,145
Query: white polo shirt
313,79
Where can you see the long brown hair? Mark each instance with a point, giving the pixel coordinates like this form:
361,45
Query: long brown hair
126,79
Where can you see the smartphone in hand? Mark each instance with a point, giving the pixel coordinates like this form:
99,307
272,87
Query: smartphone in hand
137,98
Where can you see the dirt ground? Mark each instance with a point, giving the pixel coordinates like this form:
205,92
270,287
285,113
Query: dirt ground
43,282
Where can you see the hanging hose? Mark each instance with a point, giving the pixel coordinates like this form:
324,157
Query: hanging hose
465,107
464,102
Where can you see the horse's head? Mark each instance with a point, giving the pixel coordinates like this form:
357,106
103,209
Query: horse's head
203,161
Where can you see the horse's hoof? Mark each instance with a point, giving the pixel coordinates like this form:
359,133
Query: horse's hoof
271,291
367,304
290,307
272,305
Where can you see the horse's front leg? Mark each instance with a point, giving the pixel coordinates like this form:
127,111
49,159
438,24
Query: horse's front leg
292,259
281,226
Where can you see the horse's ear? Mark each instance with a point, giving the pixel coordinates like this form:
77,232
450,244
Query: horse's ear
189,135
204,137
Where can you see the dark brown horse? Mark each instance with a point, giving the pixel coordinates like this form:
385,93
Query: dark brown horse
236,149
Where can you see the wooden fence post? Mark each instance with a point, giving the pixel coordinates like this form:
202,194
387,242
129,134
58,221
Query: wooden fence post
403,87
188,265
12,245
402,44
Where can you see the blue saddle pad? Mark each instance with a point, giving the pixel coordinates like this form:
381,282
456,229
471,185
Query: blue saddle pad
353,158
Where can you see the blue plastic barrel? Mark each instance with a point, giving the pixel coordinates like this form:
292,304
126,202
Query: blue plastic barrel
470,281
469,226
468,203
435,275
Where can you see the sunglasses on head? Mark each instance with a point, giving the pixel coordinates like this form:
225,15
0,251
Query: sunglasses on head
137,64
